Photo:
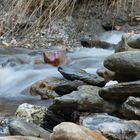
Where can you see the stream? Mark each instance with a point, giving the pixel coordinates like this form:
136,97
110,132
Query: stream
18,71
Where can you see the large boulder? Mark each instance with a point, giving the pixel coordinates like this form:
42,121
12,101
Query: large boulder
71,131
32,113
131,108
127,63
79,74
134,41
111,127
20,127
85,99
121,91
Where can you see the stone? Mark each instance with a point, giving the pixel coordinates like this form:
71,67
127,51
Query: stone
112,76
20,127
134,41
106,74
71,131
137,137
66,87
32,113
124,63
46,93
85,99
56,58
79,74
123,44
120,92
44,88
111,127
54,87
20,138
131,108
96,43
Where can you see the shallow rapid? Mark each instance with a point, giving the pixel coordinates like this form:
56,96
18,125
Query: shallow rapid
18,71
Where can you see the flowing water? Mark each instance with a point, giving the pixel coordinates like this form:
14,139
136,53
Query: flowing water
18,72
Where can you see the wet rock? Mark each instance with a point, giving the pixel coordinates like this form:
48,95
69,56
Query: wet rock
120,92
45,88
134,41
32,113
111,127
54,87
79,74
20,138
4,131
96,43
66,87
20,127
56,58
46,93
123,44
137,137
112,76
131,108
85,99
71,131
124,63
106,74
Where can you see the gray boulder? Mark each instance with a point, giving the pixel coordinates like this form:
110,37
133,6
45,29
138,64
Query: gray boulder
66,87
111,127
79,74
134,41
131,108
137,137
85,99
127,63
120,92
20,127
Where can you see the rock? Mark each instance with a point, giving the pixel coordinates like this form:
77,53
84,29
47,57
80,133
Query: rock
137,137
85,99
71,131
78,74
20,138
56,58
31,112
44,88
121,91
106,74
96,43
20,127
125,63
123,44
4,131
131,108
111,127
46,93
134,41
54,87
66,87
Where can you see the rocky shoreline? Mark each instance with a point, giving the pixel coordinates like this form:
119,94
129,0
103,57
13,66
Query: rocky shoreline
84,106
